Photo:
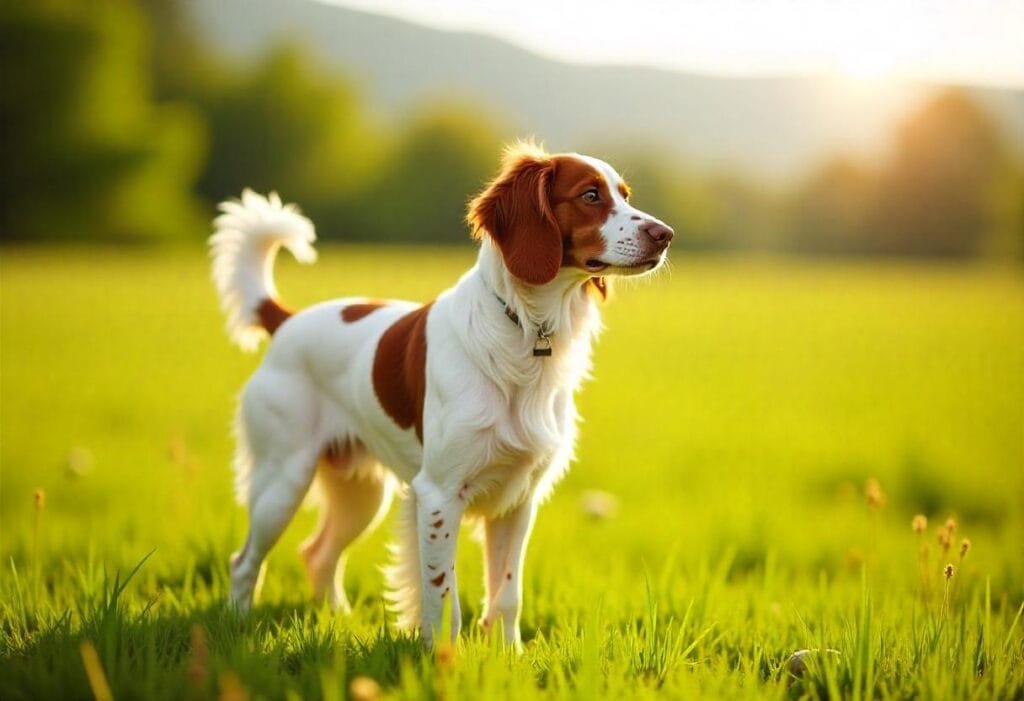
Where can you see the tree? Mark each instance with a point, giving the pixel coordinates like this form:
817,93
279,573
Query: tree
829,213
935,193
87,155
282,126
444,157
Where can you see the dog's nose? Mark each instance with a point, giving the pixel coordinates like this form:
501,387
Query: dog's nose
658,232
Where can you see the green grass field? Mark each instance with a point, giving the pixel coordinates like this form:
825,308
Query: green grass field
739,408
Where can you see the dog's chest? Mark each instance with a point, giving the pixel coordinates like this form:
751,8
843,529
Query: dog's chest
524,443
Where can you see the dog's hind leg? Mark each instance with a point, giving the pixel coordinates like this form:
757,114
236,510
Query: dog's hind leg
355,492
276,442
270,510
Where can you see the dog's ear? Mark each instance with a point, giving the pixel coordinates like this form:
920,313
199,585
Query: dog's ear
515,211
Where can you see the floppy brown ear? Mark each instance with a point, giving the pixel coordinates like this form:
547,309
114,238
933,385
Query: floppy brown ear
515,211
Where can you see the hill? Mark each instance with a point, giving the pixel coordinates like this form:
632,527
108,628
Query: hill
769,126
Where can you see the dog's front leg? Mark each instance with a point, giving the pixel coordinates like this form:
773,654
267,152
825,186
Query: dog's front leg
505,541
438,514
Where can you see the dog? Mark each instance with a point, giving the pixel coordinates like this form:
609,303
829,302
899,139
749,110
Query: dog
468,400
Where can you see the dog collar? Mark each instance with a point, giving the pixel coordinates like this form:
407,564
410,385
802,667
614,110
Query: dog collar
542,346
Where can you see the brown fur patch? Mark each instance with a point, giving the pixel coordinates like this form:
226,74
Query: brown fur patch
537,215
399,369
514,210
579,221
598,286
583,245
354,312
272,314
337,456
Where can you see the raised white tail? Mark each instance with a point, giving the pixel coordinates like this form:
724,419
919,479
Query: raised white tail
243,246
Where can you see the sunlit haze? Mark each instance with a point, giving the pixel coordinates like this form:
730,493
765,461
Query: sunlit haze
954,41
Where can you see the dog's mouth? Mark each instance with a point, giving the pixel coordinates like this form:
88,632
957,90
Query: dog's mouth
647,264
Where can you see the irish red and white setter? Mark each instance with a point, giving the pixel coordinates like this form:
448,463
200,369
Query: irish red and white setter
467,400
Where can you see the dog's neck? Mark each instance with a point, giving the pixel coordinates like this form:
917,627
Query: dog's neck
560,308
504,351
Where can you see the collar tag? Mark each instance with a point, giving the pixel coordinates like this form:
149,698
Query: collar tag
542,348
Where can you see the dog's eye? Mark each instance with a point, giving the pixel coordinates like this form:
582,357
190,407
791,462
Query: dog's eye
591,196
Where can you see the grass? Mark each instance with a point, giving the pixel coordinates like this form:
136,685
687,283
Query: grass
739,409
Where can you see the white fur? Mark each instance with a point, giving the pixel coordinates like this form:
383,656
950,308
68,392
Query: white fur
499,424
626,248
247,237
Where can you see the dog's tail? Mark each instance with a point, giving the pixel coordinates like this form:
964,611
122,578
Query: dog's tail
246,237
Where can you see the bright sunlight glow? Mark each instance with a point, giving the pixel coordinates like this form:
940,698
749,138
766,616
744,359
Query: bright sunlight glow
954,41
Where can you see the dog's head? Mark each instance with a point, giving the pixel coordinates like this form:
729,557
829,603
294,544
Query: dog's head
548,212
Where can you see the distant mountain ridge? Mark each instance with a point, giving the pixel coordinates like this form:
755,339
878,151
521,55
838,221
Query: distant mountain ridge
772,127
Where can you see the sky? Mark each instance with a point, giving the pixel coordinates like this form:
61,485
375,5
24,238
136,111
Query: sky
957,41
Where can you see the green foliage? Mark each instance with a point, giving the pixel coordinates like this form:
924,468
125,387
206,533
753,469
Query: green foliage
118,120
768,394
1007,240
934,192
831,208
87,154
445,156
949,188
283,126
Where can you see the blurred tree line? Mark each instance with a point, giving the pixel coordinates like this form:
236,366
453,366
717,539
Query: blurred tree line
118,125
949,186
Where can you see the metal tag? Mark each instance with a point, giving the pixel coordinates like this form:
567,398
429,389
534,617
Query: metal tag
542,348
